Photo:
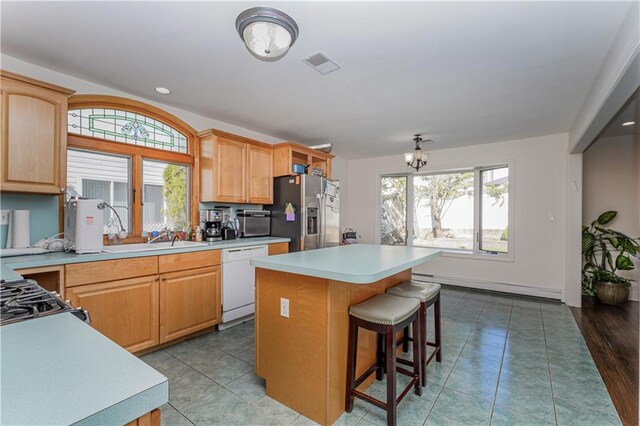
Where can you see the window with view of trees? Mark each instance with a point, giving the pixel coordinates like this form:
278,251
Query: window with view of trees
460,210
133,156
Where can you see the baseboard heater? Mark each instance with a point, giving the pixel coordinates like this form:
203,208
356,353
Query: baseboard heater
544,293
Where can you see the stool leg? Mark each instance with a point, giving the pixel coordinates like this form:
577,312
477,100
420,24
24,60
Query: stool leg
391,375
380,357
405,340
418,349
423,341
436,313
352,352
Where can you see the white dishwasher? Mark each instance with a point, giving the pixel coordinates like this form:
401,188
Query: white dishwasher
238,284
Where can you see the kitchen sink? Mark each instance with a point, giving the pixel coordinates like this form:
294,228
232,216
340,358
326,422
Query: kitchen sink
166,245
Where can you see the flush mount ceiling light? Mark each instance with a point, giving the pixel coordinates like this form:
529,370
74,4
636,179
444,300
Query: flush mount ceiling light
267,32
163,90
628,123
417,159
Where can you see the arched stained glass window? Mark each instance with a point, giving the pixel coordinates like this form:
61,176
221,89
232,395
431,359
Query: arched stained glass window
126,127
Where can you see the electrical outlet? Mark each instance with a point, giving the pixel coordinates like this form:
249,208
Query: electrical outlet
4,217
284,307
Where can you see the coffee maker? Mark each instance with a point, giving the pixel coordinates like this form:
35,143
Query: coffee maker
211,224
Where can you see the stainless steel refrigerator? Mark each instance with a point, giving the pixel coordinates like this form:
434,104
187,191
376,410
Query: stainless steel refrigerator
306,209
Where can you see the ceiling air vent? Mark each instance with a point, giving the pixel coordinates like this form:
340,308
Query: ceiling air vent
321,63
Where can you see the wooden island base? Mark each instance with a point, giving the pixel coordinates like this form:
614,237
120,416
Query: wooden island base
303,358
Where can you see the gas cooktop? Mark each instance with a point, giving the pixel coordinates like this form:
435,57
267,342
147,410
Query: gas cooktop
25,299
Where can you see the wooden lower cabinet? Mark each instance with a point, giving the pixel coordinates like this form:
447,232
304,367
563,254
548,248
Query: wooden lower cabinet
126,311
152,418
278,248
189,302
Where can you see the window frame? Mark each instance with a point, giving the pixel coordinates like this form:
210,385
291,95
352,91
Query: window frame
138,153
474,253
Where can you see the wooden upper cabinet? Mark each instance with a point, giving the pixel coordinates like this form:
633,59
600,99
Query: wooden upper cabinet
231,171
126,311
234,169
33,135
259,175
286,154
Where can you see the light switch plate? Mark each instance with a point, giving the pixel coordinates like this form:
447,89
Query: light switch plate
4,217
284,307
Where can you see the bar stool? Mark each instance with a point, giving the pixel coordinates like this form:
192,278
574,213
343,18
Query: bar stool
428,294
386,315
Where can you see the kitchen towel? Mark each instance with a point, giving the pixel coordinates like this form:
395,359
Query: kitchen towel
18,235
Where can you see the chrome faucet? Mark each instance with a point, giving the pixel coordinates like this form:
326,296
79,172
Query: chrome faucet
164,233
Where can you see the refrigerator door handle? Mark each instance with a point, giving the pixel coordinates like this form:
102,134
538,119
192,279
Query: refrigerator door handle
321,227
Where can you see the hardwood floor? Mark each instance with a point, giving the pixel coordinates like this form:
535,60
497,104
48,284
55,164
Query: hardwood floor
611,333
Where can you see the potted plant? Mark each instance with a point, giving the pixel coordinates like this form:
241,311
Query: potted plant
599,246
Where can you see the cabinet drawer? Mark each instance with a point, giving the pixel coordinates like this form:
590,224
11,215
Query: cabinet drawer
181,262
109,270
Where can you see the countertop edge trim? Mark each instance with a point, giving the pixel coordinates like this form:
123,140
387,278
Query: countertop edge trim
337,276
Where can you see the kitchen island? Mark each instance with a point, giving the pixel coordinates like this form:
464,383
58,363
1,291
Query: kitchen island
302,314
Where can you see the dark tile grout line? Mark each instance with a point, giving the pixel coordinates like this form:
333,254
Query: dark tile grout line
553,401
221,386
499,373
546,348
506,337
457,357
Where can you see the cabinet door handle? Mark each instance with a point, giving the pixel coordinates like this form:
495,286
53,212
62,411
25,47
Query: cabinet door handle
157,279
62,189
164,278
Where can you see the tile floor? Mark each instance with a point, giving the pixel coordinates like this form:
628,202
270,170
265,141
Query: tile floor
506,361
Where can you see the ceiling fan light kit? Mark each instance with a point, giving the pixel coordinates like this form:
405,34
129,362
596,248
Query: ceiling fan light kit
268,33
418,158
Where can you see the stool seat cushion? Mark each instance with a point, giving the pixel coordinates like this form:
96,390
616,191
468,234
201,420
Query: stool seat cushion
415,290
385,309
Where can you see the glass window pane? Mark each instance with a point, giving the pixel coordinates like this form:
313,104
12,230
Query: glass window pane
105,177
393,223
443,210
165,196
494,219
126,127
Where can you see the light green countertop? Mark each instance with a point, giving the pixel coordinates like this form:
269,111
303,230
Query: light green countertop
9,264
357,264
57,370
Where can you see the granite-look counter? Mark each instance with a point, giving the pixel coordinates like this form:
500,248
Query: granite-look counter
356,264
9,264
58,370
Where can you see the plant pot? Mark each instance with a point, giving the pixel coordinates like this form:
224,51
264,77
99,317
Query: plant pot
612,293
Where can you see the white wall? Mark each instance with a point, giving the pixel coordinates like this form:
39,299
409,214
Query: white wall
610,179
539,191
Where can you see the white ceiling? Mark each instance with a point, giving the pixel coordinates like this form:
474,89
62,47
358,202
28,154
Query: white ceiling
460,73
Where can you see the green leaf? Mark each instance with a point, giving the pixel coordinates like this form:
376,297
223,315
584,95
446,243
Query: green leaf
588,241
629,245
610,260
607,217
624,263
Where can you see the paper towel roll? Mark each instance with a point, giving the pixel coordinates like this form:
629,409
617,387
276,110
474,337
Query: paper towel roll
18,235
